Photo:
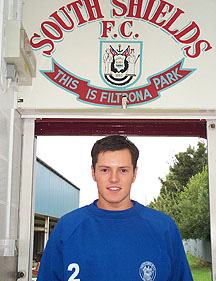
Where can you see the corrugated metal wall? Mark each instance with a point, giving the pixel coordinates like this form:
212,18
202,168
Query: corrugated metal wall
54,196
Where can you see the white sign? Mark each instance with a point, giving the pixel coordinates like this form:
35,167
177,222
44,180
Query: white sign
148,54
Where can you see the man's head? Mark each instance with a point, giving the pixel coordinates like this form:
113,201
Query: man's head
114,169
114,143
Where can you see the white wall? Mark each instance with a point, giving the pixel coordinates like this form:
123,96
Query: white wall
10,157
198,248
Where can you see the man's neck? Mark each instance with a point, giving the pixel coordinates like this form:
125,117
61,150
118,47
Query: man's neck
120,206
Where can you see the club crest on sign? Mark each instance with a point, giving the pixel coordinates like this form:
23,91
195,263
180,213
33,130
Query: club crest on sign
120,62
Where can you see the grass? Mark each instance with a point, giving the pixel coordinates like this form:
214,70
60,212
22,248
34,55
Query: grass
34,276
201,270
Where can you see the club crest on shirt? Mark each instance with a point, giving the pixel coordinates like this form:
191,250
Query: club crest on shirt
147,271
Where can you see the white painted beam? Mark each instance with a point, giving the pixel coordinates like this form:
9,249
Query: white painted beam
211,137
46,232
26,214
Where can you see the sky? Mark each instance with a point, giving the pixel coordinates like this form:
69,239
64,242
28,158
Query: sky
70,156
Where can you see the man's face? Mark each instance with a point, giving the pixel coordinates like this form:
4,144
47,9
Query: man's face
114,175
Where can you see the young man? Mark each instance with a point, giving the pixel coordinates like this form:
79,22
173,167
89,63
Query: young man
114,238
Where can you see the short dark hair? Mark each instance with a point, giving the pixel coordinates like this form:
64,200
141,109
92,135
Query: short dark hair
113,143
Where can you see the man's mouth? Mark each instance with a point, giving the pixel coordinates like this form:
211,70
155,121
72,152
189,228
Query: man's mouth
114,188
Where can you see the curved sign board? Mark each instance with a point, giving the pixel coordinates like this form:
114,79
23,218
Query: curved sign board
149,54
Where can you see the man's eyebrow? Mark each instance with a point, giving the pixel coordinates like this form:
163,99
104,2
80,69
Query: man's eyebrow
105,166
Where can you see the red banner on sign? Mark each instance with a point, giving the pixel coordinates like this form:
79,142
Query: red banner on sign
87,93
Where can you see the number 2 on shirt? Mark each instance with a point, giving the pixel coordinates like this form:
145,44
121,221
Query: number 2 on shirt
74,266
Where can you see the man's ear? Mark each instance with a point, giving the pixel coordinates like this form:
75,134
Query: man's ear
93,173
135,174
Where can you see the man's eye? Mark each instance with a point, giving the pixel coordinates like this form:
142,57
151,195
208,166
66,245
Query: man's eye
124,171
104,170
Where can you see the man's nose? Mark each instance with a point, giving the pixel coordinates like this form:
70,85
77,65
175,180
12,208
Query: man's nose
114,177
